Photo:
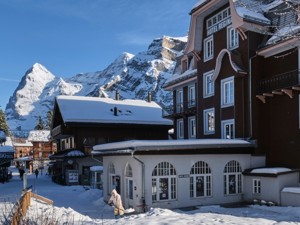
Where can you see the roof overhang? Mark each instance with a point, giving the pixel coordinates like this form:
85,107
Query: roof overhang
197,146
280,47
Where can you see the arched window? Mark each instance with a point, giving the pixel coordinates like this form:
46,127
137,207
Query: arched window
200,180
232,178
128,182
164,182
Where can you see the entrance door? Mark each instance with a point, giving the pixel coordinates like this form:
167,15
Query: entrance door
129,192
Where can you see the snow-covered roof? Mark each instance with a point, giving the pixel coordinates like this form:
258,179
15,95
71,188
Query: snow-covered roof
291,190
176,78
25,144
107,110
157,145
96,168
274,170
7,146
253,11
39,135
69,153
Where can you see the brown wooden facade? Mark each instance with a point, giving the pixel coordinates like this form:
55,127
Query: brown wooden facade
266,83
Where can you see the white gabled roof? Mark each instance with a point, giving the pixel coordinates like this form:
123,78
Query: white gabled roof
273,170
39,136
8,146
101,110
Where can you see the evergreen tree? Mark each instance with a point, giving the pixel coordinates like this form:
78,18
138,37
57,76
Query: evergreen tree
49,120
3,124
40,124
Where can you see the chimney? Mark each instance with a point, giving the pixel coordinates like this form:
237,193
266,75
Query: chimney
115,111
117,96
149,97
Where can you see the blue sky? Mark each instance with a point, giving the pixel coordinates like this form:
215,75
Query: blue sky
74,36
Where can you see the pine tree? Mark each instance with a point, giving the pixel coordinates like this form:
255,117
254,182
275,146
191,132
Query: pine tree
49,120
40,124
3,124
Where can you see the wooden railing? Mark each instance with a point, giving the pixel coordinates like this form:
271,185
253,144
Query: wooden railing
278,82
20,208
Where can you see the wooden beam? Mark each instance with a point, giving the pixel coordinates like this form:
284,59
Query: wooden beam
277,92
262,98
296,88
288,92
268,94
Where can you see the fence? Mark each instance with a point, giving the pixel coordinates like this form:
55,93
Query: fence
21,207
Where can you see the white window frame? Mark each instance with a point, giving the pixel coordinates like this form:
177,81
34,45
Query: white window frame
192,95
200,172
208,127
180,129
227,92
164,171
208,84
208,48
232,38
192,127
232,178
224,123
256,186
179,100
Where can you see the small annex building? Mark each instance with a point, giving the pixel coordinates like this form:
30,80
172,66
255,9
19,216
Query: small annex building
176,173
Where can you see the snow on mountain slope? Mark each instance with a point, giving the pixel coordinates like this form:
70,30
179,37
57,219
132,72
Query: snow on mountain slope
133,76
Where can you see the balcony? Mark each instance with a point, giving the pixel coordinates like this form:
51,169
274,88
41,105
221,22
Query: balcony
284,83
186,108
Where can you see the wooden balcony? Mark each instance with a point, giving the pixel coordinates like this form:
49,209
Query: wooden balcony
285,83
180,110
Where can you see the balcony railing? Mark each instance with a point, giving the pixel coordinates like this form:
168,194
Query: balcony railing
278,82
183,108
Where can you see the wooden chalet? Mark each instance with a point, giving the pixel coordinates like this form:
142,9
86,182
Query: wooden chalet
79,123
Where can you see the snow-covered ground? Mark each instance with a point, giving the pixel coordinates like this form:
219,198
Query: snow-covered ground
82,205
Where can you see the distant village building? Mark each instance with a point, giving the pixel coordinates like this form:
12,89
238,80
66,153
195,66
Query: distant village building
6,158
23,153
43,148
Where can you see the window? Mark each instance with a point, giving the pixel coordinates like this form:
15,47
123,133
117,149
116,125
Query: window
192,127
192,96
232,178
200,180
256,186
228,129
179,101
129,182
208,84
227,92
208,48
232,38
180,133
164,182
184,65
209,121
218,21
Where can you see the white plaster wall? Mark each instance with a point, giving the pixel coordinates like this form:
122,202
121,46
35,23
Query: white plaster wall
270,187
183,165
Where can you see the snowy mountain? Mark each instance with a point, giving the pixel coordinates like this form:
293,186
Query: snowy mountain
133,76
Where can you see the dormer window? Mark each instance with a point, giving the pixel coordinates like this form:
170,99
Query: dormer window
184,65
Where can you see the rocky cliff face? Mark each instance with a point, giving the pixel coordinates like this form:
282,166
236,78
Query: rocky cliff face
133,76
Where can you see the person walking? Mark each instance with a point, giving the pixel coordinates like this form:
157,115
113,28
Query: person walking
116,200
36,173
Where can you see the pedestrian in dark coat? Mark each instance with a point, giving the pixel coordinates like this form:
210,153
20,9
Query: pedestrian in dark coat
36,173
